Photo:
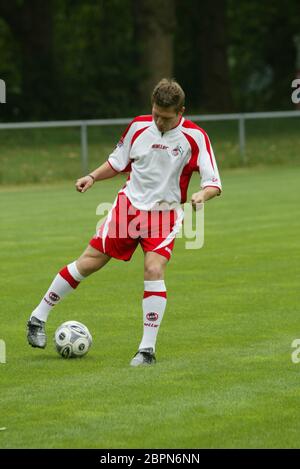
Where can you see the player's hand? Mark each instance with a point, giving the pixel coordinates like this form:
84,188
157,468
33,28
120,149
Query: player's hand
197,199
83,184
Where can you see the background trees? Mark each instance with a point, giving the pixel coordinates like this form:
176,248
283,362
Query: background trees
84,58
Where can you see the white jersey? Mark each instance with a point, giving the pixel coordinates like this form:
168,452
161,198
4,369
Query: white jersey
161,164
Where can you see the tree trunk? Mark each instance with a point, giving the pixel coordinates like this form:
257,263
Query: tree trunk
31,23
214,80
154,26
37,56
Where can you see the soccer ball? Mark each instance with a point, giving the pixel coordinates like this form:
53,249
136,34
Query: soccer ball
72,339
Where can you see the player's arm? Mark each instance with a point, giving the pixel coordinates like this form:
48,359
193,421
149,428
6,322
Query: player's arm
105,171
210,178
117,162
204,195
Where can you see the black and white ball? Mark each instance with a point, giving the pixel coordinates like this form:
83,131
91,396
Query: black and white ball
72,339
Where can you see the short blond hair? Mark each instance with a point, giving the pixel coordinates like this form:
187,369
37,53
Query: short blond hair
168,93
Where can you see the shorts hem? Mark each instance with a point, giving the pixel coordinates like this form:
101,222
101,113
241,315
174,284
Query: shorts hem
96,243
162,252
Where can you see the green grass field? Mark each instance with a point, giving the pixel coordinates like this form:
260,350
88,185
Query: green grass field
224,376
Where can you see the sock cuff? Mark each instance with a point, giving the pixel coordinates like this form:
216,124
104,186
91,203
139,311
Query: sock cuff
154,286
71,275
163,294
72,268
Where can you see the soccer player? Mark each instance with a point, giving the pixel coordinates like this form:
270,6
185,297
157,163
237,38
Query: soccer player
160,152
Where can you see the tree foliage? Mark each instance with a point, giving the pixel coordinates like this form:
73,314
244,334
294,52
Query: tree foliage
65,59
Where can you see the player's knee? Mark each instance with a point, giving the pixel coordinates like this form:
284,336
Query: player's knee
153,271
87,265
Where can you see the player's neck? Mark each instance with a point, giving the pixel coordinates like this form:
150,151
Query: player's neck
174,127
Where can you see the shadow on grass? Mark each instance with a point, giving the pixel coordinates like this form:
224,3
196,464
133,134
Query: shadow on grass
57,357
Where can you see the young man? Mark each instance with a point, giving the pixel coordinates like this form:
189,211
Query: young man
160,151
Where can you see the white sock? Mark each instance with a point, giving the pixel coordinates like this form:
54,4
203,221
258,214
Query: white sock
65,281
154,305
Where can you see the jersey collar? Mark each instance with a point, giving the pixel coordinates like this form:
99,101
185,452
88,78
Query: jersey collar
174,129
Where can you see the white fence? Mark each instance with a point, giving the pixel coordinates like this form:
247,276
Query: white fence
84,124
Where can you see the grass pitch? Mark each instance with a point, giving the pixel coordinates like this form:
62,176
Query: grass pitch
224,376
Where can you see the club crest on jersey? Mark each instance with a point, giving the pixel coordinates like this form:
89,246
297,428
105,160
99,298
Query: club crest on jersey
177,151
152,316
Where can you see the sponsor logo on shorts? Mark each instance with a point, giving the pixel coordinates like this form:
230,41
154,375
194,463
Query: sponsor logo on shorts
152,316
53,296
214,180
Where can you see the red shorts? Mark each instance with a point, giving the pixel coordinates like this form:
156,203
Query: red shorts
125,227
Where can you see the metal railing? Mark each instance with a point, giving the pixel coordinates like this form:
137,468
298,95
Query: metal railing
84,124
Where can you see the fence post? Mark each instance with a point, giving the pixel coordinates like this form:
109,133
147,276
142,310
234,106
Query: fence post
84,149
242,139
